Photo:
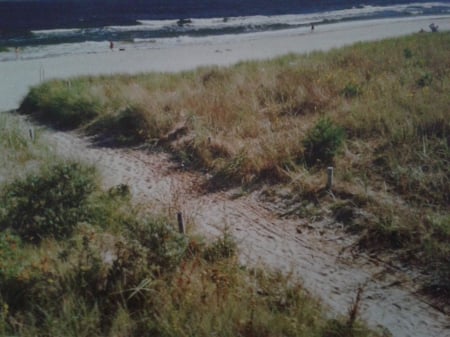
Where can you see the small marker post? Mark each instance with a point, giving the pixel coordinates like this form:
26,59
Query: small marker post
181,228
330,177
31,133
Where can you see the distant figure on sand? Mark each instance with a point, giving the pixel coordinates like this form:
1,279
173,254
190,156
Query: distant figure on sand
111,45
312,26
17,53
433,27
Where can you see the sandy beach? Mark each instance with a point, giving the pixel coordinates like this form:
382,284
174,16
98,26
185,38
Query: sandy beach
18,75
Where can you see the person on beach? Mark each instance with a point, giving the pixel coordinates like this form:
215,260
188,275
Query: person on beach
312,27
433,27
111,45
17,52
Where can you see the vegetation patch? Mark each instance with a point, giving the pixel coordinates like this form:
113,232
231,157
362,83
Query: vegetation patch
48,204
283,120
322,143
128,127
79,261
61,104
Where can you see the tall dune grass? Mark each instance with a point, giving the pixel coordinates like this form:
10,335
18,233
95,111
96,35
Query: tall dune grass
254,116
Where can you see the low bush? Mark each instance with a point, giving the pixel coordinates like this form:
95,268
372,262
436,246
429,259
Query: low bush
10,244
407,53
223,248
322,142
425,80
166,247
351,90
48,204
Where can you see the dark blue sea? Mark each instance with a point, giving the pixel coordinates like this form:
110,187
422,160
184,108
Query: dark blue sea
44,28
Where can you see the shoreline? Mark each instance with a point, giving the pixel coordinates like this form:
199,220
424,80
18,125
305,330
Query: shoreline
20,75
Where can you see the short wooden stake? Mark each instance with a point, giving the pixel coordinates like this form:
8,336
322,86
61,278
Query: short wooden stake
181,228
330,177
31,133
41,73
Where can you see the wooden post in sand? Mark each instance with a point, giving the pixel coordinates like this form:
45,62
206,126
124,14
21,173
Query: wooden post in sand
31,133
41,74
181,228
330,177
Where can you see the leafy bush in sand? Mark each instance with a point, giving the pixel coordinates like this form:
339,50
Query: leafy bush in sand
323,142
47,204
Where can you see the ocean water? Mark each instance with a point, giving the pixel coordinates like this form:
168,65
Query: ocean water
45,28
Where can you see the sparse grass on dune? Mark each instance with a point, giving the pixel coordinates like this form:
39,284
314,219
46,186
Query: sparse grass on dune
258,121
20,145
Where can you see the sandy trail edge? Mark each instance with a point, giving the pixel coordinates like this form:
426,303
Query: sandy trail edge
315,255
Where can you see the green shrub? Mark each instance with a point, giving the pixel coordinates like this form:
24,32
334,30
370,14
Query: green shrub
49,204
351,90
407,53
223,248
10,245
322,142
166,247
425,80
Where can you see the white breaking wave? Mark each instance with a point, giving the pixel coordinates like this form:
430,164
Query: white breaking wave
196,24
62,31
291,19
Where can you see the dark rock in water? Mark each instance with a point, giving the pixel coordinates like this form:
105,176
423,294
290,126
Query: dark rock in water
182,22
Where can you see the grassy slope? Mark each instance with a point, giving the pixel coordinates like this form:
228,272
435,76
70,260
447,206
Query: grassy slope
253,122
78,261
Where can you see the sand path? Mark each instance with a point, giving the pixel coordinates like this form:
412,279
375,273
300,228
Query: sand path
317,253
